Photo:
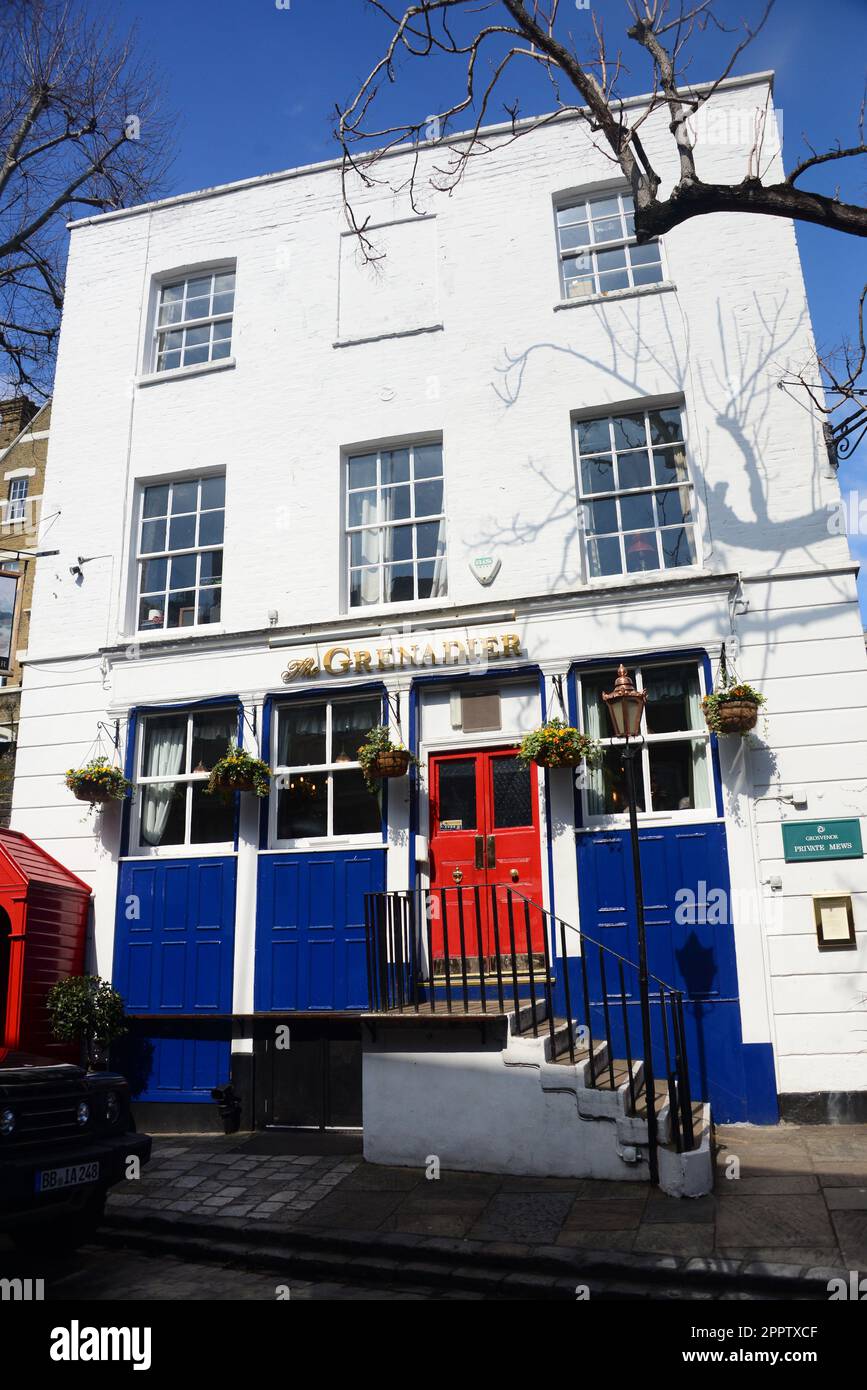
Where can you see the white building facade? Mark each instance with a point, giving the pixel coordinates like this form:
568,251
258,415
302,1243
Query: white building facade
298,495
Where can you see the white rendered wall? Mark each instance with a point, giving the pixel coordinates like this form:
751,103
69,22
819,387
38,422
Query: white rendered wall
499,380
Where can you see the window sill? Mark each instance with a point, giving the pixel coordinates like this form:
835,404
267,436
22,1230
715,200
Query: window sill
636,292
386,610
326,844
383,337
151,636
648,820
599,583
204,851
180,373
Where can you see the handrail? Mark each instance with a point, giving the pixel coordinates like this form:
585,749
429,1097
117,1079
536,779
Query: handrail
482,954
593,942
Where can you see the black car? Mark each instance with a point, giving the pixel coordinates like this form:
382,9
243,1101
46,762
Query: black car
66,1136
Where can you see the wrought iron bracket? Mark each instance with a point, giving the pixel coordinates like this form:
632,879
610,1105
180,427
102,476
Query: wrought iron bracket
113,734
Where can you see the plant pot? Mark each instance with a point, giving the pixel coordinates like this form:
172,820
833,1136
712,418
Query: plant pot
554,759
235,784
93,792
393,763
737,716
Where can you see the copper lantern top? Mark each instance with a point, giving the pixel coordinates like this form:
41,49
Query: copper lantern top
625,705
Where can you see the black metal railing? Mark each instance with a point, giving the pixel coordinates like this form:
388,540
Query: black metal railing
493,950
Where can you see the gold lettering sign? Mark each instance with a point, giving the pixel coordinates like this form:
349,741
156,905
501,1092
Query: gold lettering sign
340,661
304,666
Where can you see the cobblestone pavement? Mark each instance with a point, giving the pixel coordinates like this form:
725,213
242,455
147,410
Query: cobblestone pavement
789,1195
213,1176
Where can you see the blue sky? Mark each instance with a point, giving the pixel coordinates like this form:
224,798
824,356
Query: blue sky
255,86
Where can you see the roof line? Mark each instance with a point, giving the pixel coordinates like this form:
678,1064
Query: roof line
28,428
324,166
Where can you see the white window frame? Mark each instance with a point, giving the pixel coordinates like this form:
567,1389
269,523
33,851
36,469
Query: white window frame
626,240
327,769
16,504
412,521
159,331
652,489
647,740
141,557
187,849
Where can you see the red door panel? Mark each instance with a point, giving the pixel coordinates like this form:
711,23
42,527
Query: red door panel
513,818
457,831
484,835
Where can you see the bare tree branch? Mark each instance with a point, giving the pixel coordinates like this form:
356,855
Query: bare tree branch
79,128
662,33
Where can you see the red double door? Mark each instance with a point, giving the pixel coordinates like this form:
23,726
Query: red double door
484,834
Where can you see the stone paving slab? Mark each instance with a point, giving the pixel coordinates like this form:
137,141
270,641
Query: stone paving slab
800,1199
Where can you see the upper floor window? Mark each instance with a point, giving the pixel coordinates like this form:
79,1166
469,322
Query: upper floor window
395,525
194,320
598,252
673,770
180,553
176,753
16,508
635,493
320,786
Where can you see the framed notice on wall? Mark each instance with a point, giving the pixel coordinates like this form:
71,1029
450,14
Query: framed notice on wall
835,922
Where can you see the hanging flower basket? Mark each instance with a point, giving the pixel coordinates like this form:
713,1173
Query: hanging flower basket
97,782
239,771
394,763
556,744
381,759
733,710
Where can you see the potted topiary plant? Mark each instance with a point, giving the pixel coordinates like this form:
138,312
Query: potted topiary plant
557,744
239,771
733,709
85,1009
97,782
380,758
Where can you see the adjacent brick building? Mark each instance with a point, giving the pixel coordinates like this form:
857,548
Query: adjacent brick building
23,451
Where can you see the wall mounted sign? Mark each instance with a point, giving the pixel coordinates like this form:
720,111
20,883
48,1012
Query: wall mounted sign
821,839
450,651
485,568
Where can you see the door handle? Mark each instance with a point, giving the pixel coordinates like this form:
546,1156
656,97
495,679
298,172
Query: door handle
492,852
480,853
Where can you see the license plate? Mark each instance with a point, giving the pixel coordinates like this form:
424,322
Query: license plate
52,1179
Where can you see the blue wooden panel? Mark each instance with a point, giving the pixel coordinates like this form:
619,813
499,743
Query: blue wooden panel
173,954
310,948
693,954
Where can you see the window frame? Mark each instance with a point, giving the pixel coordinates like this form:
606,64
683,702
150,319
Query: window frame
652,490
328,768
16,505
188,848
140,558
620,820
566,202
170,280
391,446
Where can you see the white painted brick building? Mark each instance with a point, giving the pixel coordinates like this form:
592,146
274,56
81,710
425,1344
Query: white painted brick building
463,339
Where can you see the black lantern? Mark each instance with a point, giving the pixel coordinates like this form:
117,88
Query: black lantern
625,706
